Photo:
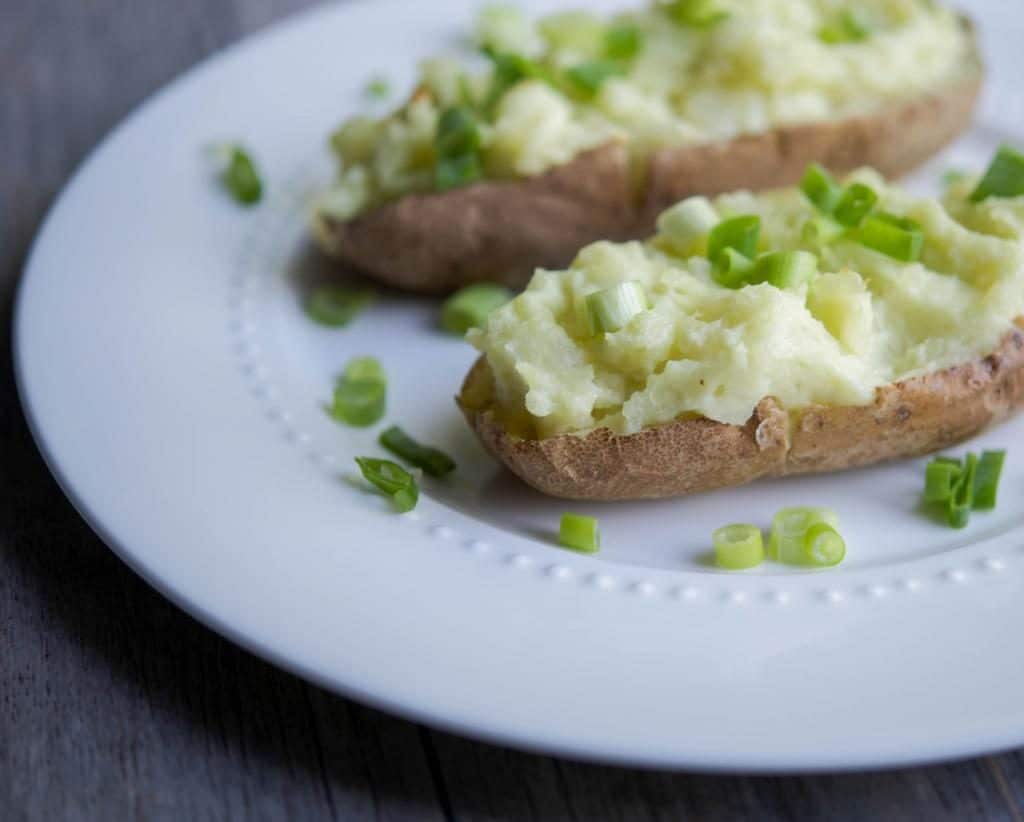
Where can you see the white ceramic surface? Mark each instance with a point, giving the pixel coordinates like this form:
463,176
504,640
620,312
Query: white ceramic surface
176,390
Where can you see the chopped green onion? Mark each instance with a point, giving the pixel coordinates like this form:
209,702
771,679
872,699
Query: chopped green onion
455,172
851,27
579,534
471,306
433,462
739,233
940,479
786,269
687,223
738,547
241,178
856,203
612,308
898,237
821,188
1004,178
587,78
823,546
360,397
699,14
336,305
949,461
962,501
821,231
457,144
986,480
732,270
378,88
623,42
789,531
511,69
393,480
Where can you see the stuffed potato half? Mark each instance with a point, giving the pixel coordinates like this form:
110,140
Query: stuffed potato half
584,128
838,344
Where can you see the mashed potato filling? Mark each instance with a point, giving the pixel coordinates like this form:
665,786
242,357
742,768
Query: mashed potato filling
864,321
764,64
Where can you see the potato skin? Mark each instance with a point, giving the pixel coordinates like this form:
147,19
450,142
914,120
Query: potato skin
907,419
502,231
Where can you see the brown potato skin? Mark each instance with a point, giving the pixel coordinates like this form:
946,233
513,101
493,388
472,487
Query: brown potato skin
907,419
502,231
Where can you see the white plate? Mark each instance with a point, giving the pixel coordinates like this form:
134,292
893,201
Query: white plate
176,388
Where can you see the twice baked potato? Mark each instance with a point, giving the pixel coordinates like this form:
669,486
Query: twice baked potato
585,129
865,344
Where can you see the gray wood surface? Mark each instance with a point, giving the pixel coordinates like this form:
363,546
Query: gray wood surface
115,705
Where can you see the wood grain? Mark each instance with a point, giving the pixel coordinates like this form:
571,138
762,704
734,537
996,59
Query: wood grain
115,705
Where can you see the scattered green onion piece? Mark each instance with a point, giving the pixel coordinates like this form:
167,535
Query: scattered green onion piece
509,70
241,178
962,501
579,534
471,306
738,547
335,305
623,42
393,480
687,223
949,461
821,231
786,269
700,14
360,397
897,237
732,269
986,479
823,547
821,188
789,530
378,88
456,172
612,308
1004,178
856,203
739,233
433,462
939,481
851,27
587,78
457,144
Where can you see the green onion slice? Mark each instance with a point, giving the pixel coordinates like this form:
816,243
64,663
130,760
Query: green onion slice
823,547
898,237
732,269
699,14
378,88
1004,178
587,78
433,462
821,231
739,233
738,547
623,42
511,69
940,478
360,397
986,480
850,27
786,269
789,531
471,306
392,480
962,501
241,178
579,533
855,204
457,144
821,188
458,171
612,308
335,305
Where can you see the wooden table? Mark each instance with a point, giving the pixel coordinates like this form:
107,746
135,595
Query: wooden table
115,705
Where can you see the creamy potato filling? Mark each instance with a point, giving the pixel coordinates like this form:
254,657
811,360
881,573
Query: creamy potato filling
863,320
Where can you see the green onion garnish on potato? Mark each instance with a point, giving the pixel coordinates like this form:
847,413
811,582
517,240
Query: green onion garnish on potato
612,308
898,237
1004,177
